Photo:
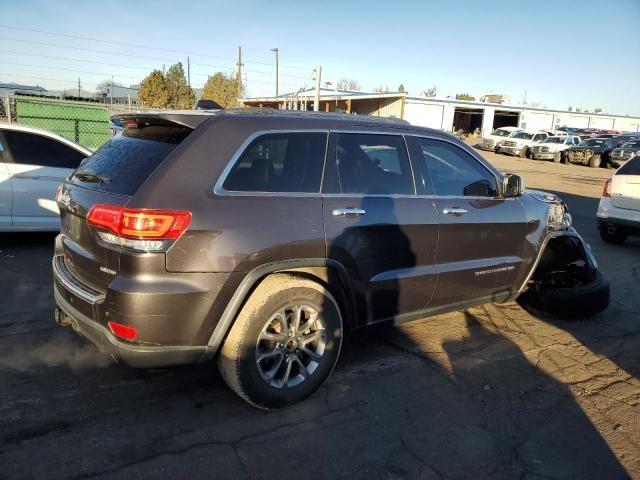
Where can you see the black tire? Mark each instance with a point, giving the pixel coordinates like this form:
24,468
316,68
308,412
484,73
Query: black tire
576,302
530,155
616,237
557,157
238,358
524,151
595,160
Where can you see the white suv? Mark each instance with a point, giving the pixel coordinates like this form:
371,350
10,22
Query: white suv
490,142
552,148
520,142
619,208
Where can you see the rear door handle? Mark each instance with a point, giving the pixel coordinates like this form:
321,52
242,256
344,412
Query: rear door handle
455,211
347,212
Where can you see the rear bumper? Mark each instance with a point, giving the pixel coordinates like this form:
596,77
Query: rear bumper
141,356
608,214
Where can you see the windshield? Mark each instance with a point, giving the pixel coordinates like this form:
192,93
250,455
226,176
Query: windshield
501,133
591,143
523,135
555,140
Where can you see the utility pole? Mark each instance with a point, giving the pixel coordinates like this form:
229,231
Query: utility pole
188,72
111,91
316,101
163,69
78,87
240,72
277,65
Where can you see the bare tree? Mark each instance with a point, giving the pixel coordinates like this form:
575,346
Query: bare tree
348,84
430,92
381,89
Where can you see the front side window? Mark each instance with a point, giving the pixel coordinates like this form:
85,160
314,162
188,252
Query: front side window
280,162
456,173
32,149
371,164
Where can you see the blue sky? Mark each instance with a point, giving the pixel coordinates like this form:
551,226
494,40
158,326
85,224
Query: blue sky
561,53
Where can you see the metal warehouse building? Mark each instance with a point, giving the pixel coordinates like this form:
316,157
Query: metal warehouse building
445,114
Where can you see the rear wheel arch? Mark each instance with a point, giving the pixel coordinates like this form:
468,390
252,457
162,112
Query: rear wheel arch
329,273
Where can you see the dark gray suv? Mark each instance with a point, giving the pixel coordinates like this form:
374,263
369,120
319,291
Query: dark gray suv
260,236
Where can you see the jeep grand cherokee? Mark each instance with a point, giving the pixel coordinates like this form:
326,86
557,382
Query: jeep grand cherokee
259,236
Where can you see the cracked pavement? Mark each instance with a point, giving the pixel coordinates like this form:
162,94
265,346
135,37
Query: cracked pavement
491,392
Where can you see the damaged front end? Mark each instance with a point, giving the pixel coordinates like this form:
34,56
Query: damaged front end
580,156
565,280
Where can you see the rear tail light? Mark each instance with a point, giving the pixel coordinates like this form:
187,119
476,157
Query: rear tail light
123,331
140,229
58,193
606,192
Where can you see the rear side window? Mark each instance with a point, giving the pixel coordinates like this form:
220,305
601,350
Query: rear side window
632,167
32,149
127,160
370,164
456,173
280,162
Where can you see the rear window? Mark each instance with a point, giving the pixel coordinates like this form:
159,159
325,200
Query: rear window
127,160
632,167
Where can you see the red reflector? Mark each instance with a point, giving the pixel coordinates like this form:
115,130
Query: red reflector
139,223
607,188
123,331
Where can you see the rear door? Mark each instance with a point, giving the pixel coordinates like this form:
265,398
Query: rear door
37,166
376,225
6,192
482,235
625,186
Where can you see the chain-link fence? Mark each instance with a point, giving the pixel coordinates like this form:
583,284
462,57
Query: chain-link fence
86,123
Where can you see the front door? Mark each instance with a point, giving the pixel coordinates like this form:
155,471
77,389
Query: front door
482,235
377,227
37,165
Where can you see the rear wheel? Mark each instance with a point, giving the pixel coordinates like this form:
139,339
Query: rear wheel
284,343
557,157
594,161
523,152
613,235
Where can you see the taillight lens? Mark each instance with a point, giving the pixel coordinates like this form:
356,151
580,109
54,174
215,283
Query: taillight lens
58,193
123,331
140,229
606,192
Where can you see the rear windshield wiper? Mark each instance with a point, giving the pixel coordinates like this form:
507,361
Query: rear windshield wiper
91,177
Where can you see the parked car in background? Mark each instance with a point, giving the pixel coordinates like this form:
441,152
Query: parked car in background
33,163
619,208
553,147
554,133
624,153
260,237
593,152
491,141
520,142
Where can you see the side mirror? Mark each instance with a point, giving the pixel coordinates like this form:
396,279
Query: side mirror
512,185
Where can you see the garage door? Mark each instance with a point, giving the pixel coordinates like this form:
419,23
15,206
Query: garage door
537,121
604,123
423,115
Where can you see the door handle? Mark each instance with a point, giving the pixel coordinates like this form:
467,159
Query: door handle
347,212
455,211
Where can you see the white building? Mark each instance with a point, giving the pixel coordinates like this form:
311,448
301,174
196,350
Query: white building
445,114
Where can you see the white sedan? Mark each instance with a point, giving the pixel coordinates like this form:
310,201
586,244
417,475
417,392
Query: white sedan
33,162
619,208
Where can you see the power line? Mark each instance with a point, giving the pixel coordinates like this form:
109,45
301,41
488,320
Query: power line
65,69
132,45
79,60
